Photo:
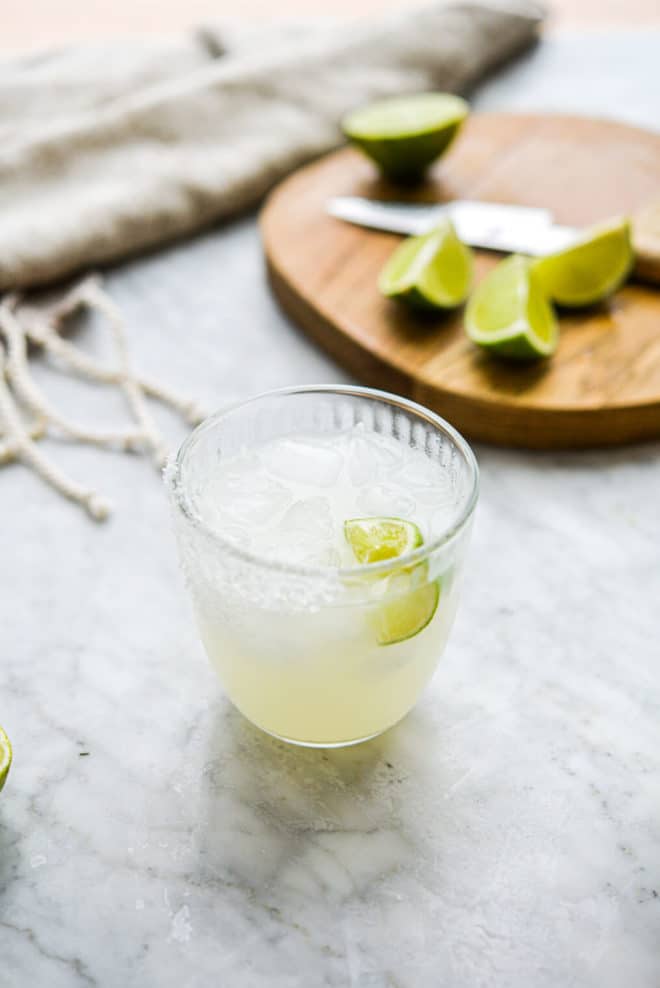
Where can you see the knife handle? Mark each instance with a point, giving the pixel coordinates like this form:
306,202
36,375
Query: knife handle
646,243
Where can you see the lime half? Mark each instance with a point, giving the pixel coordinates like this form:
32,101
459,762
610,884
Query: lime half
404,135
510,315
5,757
591,269
433,271
411,601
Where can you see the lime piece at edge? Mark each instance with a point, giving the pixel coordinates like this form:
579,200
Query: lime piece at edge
591,269
5,757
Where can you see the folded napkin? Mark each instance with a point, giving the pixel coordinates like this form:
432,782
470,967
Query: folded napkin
106,150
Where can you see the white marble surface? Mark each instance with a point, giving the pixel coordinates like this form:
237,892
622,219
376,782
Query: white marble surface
506,834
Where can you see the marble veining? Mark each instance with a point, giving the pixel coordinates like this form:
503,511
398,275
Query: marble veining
505,835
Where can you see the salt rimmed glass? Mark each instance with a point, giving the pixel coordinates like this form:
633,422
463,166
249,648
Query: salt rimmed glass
293,644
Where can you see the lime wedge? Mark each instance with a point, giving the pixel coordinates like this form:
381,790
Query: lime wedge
509,314
5,757
433,271
404,135
404,617
376,539
591,269
411,601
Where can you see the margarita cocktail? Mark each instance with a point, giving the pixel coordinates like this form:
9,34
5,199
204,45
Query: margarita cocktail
322,533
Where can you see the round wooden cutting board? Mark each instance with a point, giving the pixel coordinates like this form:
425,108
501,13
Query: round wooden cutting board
601,388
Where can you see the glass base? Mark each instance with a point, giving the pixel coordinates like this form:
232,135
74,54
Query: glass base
302,743
322,744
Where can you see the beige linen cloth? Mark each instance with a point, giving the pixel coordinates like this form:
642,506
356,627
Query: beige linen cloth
109,149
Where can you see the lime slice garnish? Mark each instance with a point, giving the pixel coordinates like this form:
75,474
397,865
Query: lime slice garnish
5,757
405,616
410,600
376,539
510,315
404,135
433,271
591,269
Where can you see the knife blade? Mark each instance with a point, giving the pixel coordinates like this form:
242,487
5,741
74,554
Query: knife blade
490,225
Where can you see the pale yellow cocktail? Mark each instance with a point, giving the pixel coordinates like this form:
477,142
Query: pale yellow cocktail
323,550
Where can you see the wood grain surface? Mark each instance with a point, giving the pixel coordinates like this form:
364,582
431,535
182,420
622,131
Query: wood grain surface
601,388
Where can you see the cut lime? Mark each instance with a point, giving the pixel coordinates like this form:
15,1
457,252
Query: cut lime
376,539
591,269
410,600
433,271
404,135
405,616
5,757
510,315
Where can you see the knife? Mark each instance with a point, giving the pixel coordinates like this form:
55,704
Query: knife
490,225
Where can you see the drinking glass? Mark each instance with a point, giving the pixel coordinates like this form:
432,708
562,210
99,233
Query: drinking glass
295,645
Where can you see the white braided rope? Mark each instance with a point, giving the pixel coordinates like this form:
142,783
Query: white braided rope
26,450
22,324
9,448
16,369
97,299
41,328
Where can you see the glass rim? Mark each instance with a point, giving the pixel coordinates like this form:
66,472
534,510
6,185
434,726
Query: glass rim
189,510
